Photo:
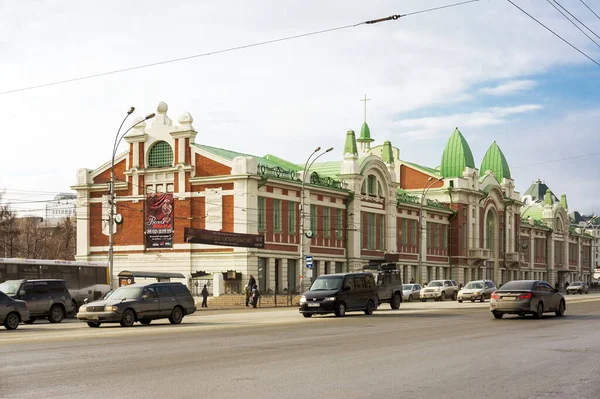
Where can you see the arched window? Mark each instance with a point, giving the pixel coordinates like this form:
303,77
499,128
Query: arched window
558,225
160,155
490,230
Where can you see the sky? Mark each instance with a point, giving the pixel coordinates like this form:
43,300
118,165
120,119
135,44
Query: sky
484,67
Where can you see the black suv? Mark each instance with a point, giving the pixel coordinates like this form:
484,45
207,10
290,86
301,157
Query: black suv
388,278
339,293
140,302
48,298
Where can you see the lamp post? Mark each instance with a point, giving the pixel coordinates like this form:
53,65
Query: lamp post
305,172
111,199
430,182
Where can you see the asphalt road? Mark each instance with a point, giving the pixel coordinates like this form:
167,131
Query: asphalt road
423,350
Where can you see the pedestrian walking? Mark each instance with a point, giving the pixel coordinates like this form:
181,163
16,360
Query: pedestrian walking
247,293
566,285
251,282
204,294
255,295
412,281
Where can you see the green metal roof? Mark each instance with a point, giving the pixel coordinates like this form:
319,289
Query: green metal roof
534,211
495,161
268,160
425,169
457,156
350,145
386,154
331,168
538,190
365,133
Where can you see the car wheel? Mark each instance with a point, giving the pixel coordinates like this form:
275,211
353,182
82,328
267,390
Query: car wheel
145,321
454,296
460,301
30,321
539,312
176,315
561,309
410,298
12,321
395,303
482,299
307,315
443,296
370,308
57,314
498,315
580,292
93,324
128,318
472,300
341,310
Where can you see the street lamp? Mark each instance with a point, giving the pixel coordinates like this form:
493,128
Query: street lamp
305,172
111,199
430,182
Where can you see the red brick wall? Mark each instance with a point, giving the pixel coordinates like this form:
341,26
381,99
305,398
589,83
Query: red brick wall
208,167
104,177
411,178
131,231
228,221
96,223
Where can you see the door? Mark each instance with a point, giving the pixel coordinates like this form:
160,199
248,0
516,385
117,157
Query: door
360,298
166,300
5,306
416,291
148,306
554,297
348,296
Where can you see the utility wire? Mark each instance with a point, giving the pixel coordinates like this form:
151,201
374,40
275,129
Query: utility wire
577,19
571,21
588,7
245,46
551,31
557,160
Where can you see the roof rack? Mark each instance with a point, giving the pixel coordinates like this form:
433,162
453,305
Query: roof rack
382,268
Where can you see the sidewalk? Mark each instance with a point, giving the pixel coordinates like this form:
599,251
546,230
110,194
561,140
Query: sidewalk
233,301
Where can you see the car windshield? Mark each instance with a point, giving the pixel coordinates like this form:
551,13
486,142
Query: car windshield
10,287
407,287
517,285
474,286
327,283
435,284
574,284
125,293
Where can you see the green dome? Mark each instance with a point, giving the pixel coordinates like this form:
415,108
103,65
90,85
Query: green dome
495,161
365,133
457,156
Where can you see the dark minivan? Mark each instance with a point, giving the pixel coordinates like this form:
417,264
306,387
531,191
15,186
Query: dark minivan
340,293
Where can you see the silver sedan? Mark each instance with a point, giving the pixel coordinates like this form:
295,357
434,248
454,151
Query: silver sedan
411,292
12,311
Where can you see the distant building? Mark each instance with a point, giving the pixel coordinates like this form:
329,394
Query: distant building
62,206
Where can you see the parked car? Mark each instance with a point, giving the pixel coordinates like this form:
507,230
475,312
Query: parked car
12,311
411,292
388,278
340,293
578,287
527,297
477,290
439,290
140,303
48,298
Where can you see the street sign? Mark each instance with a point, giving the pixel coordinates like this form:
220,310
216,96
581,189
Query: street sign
309,261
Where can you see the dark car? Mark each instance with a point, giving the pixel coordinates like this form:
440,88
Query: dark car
48,298
340,293
388,278
140,303
527,297
12,311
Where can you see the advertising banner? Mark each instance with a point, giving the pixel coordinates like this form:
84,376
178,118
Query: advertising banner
201,236
159,220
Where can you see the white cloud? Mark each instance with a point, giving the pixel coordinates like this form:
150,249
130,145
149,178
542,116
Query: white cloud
511,87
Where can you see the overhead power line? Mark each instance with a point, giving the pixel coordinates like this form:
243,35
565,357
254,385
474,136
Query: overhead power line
230,49
557,160
554,33
576,19
588,7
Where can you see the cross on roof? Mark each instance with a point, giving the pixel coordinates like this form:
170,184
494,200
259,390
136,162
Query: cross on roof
365,101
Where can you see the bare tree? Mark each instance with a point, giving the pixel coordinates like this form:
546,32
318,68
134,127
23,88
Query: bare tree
9,231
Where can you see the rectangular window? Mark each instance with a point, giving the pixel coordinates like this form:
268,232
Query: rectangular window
313,219
262,214
277,215
326,222
445,236
372,184
291,217
338,223
382,232
404,231
413,233
371,231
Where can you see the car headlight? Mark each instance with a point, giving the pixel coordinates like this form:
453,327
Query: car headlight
437,288
329,299
109,308
476,292
302,299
